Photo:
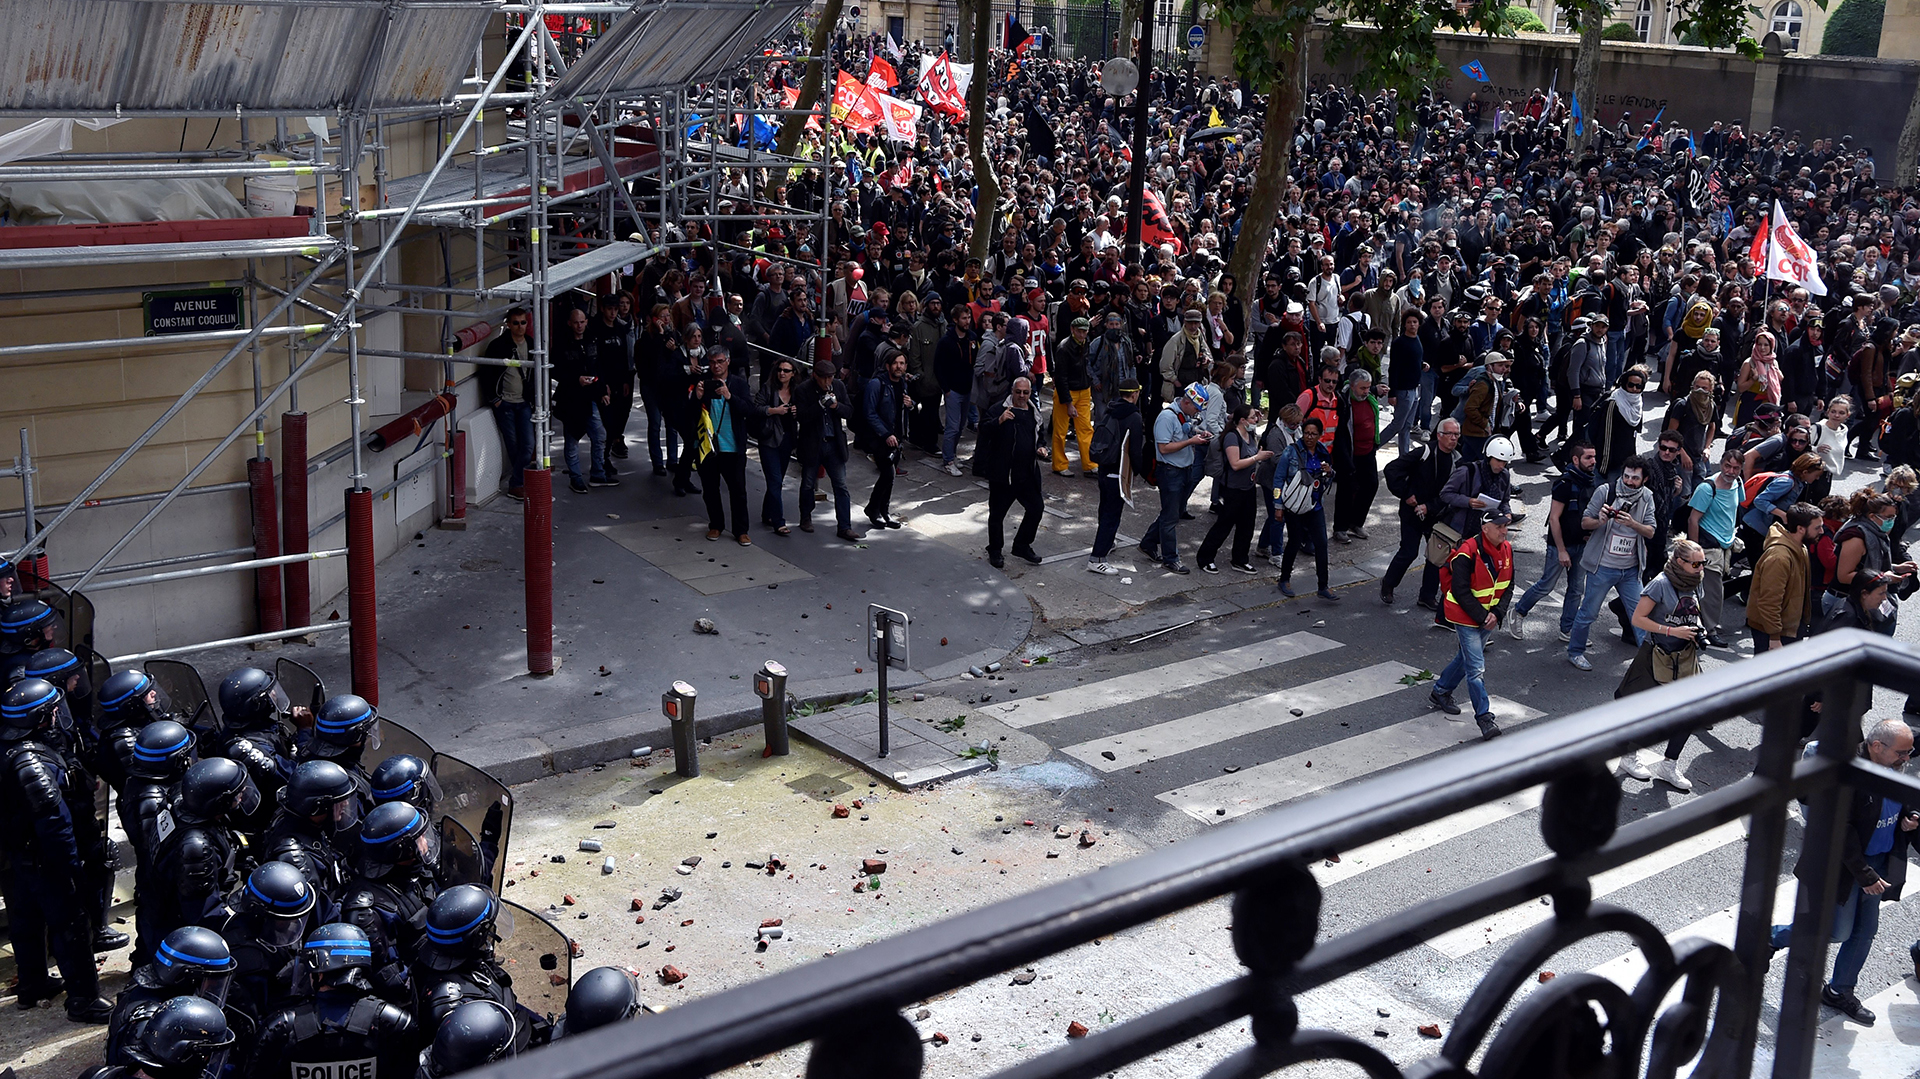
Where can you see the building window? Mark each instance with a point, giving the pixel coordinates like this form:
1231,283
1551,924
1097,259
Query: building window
1643,19
1788,18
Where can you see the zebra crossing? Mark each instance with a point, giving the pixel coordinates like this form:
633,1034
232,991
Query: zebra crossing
1165,731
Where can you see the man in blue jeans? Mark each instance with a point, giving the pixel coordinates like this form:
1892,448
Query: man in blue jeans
1619,518
1175,435
1566,543
1873,863
1479,584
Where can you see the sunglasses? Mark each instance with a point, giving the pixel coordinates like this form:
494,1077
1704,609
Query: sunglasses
1669,449
1694,562
1636,385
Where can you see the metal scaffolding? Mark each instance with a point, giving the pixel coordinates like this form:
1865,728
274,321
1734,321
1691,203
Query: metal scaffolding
618,117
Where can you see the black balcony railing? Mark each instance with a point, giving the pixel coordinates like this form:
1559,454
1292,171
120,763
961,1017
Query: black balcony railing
849,1005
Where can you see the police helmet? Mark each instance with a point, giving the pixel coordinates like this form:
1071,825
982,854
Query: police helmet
216,787
322,786
602,996
162,750
337,946
25,625
124,697
398,833
462,920
28,705
278,894
182,1037
344,724
250,697
56,665
404,777
472,1034
194,952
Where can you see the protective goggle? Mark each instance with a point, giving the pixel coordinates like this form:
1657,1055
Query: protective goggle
246,800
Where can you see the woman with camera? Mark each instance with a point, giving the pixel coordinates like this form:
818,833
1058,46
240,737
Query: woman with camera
1668,615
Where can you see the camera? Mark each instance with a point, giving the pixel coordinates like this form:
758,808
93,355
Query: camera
828,400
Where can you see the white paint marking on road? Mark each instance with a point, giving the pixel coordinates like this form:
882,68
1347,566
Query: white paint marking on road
1148,744
1395,847
1303,773
1888,1049
1627,969
1515,920
1158,681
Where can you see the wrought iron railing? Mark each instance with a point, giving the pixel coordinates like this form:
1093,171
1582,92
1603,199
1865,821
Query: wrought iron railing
849,1005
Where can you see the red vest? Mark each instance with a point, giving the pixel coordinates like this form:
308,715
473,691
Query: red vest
1492,576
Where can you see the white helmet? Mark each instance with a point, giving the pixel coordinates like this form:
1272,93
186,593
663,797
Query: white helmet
1501,449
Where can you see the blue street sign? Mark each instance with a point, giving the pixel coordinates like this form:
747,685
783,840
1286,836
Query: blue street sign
1196,37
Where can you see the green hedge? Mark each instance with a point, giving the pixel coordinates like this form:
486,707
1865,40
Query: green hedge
1854,29
1619,31
1523,20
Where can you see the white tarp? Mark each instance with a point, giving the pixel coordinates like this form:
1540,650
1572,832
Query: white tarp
38,138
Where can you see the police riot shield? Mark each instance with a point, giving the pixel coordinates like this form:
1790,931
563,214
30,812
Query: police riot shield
483,807
461,859
187,692
396,740
304,688
537,956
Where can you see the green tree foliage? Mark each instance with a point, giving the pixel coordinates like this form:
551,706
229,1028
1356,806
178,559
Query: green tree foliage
1854,29
1619,31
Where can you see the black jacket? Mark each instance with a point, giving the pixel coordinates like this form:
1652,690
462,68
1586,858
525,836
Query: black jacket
1008,453
823,430
1863,814
487,375
1420,474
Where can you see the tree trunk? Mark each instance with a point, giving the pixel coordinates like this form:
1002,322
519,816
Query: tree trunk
983,175
1909,148
795,127
1586,74
1284,101
963,33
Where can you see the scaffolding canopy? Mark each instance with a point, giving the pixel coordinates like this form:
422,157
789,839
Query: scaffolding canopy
76,57
581,269
669,44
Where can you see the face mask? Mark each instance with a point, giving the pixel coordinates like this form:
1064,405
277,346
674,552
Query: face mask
1886,525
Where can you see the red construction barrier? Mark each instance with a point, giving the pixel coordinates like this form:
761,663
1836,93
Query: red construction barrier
293,515
412,423
537,541
268,597
364,634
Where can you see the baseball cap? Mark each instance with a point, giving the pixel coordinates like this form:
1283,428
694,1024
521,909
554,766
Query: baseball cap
1498,518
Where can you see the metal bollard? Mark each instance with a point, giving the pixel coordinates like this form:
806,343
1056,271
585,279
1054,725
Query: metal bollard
770,683
677,704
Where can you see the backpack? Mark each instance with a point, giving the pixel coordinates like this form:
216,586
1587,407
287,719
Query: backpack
1587,301
1107,438
1463,387
1755,485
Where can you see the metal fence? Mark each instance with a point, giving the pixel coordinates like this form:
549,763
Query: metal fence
849,1006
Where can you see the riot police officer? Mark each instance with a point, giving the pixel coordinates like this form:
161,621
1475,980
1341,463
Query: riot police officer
260,724
202,860
345,727
475,1033
45,847
10,586
343,1023
180,1042
602,996
319,817
65,671
128,701
455,963
160,755
193,961
404,777
26,627
271,915
393,886
80,740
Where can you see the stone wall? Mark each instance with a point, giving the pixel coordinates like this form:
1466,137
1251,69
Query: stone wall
1817,96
